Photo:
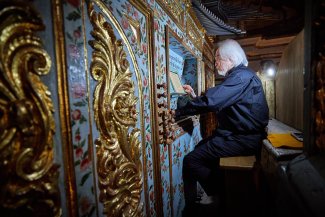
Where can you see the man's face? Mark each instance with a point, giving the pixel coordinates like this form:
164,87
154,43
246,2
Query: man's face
222,65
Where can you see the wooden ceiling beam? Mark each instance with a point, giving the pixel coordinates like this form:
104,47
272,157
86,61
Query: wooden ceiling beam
255,50
274,42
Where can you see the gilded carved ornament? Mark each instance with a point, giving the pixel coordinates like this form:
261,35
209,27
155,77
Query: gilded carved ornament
118,146
193,33
29,179
135,27
175,9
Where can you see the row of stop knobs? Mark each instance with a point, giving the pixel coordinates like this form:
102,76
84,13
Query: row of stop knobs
166,121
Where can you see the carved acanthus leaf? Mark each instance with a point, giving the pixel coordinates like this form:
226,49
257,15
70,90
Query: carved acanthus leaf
118,147
29,177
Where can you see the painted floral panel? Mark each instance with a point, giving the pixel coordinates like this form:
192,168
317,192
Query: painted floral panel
181,146
161,19
77,80
190,75
124,12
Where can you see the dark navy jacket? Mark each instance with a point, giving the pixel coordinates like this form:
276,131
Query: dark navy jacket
239,103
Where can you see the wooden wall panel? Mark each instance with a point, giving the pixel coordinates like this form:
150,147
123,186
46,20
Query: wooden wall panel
289,84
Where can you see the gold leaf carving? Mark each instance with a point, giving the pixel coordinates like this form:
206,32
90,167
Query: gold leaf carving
118,147
193,33
135,27
28,183
175,9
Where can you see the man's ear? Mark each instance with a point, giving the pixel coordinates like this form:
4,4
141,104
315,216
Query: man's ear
231,63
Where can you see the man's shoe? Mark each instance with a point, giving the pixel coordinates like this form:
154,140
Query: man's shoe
209,200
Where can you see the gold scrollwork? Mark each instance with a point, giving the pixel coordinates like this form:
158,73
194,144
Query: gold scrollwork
193,33
175,10
135,27
29,178
118,147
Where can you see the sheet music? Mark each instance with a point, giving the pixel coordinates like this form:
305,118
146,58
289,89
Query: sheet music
176,83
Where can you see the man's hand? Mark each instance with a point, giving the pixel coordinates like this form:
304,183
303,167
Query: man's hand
189,90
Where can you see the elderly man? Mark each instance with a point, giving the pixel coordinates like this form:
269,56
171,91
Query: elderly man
242,115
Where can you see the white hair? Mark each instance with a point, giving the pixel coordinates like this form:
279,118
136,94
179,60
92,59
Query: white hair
230,49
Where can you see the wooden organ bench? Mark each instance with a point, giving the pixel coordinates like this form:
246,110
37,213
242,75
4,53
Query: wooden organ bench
241,162
242,184
250,184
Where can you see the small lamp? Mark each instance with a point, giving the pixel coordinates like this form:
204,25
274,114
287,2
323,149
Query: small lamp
268,69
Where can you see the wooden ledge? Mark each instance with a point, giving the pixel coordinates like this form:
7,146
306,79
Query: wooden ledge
240,162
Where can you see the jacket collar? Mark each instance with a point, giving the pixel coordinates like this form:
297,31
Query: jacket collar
234,68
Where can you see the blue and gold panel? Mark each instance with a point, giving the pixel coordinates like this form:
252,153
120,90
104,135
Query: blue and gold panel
129,38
